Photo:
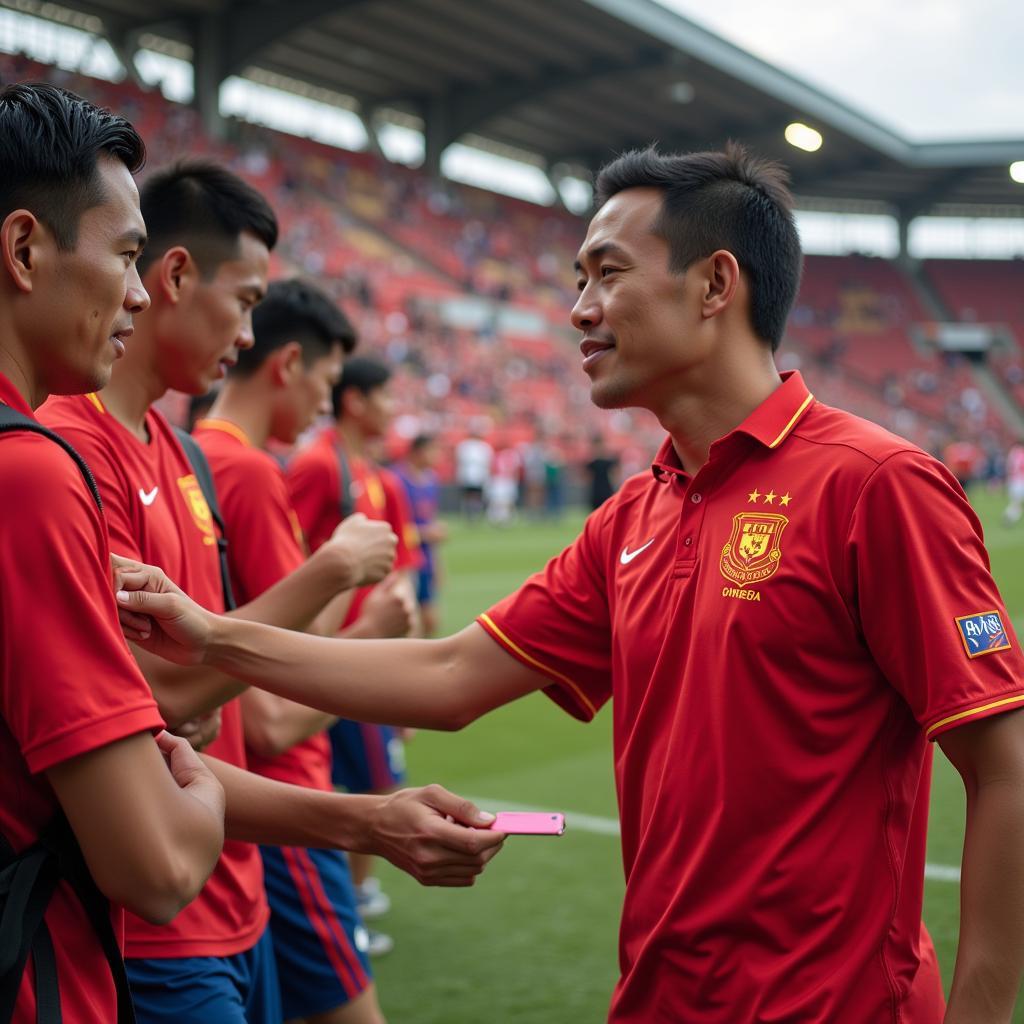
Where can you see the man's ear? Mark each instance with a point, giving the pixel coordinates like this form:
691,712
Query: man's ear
722,279
23,241
286,363
176,269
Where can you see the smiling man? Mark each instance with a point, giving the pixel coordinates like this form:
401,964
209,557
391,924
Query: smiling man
785,611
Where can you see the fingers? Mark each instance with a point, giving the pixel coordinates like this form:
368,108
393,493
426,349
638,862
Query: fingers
460,810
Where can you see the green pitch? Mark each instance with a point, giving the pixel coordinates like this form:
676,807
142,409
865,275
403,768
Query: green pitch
534,941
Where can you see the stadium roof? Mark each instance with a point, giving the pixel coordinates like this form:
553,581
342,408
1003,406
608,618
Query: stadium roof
570,82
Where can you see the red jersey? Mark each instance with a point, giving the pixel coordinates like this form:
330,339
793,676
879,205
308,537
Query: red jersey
157,513
782,633
68,683
314,483
265,544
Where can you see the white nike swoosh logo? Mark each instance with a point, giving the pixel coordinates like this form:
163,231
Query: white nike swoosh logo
148,498
627,556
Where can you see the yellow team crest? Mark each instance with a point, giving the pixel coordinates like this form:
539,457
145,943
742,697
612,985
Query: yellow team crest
753,551
201,516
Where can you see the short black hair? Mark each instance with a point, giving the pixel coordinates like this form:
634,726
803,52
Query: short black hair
50,142
295,311
722,200
421,441
364,374
205,207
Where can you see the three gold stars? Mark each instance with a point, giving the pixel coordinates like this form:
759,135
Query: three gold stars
769,497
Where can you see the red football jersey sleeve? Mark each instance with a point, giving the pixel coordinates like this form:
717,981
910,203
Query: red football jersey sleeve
916,581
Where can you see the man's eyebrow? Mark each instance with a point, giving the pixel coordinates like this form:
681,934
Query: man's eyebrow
133,237
605,249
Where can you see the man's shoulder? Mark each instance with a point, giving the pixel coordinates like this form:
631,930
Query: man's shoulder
34,465
860,442
80,413
318,452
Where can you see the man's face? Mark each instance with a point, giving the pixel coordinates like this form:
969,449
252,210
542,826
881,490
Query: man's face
84,300
637,317
306,395
372,412
212,320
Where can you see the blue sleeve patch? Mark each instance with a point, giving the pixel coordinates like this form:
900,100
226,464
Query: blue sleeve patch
983,633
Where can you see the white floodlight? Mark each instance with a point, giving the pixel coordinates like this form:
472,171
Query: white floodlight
1017,171
803,137
681,92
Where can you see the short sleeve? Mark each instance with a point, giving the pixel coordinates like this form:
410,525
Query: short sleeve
262,546
929,609
69,682
314,488
558,622
113,486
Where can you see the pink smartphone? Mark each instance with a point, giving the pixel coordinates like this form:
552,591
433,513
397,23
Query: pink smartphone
529,823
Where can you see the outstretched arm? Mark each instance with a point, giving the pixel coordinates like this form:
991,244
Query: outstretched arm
411,828
358,553
433,684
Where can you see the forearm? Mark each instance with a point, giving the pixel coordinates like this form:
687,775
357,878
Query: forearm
329,621
399,682
990,957
185,692
295,601
261,810
274,724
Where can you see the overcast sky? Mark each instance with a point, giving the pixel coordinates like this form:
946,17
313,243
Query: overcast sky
930,69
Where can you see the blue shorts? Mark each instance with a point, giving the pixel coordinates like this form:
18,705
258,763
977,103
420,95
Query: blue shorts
316,928
366,758
239,989
425,586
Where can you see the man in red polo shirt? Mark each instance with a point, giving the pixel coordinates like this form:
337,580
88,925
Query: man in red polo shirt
210,236
786,610
76,717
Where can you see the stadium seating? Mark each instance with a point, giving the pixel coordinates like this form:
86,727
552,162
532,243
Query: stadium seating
394,247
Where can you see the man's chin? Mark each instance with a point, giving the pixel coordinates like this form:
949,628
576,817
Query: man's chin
606,395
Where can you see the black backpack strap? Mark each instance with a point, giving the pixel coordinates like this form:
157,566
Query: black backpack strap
11,420
59,839
346,503
204,477
27,882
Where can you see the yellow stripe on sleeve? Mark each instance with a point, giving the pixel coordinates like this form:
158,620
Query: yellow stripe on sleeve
1016,699
792,423
530,660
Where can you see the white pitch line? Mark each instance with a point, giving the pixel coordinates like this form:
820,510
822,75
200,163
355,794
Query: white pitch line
610,827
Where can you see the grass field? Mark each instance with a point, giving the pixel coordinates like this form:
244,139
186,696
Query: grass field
534,942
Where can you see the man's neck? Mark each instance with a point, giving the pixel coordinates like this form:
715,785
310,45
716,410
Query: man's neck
17,369
136,382
351,437
248,411
699,415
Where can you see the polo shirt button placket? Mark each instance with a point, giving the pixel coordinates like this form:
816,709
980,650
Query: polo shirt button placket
690,521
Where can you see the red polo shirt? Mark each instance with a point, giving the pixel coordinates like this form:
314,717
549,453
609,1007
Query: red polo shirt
782,633
265,546
314,483
68,683
156,513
